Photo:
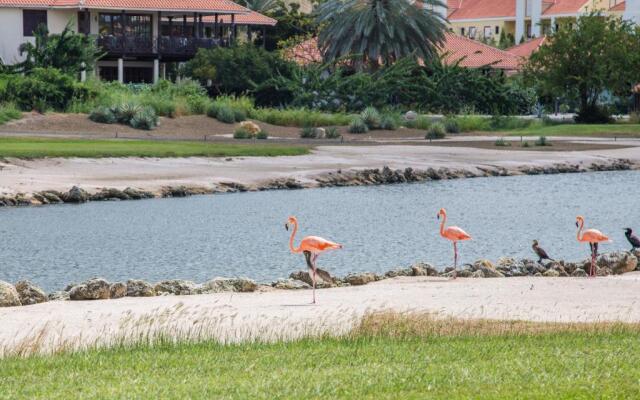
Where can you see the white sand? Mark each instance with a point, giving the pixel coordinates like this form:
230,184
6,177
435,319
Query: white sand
288,314
23,176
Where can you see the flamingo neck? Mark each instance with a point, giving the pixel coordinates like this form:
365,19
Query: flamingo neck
293,233
579,236
444,219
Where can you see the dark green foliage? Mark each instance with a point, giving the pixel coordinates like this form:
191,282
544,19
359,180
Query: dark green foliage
226,115
436,131
239,115
213,110
375,32
42,89
144,118
68,52
500,142
357,125
594,114
371,117
332,133
291,24
103,115
125,112
242,133
542,141
238,69
388,122
262,135
451,125
501,122
308,132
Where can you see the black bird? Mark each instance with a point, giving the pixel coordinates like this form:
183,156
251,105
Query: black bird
540,252
633,239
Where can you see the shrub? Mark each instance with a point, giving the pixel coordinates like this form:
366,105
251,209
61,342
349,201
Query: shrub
125,112
594,115
145,118
525,144
634,117
251,127
242,133
308,132
451,125
421,122
43,89
103,115
501,122
239,115
164,106
226,115
371,117
262,135
213,110
357,125
198,105
300,117
436,131
500,142
332,133
388,123
472,123
9,112
542,141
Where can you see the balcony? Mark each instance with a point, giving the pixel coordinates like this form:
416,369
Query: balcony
147,46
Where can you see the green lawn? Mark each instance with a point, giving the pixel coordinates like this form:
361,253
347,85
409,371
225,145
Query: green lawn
570,364
40,148
626,130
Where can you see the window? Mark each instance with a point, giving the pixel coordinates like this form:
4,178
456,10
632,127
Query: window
497,30
127,24
462,31
31,19
487,32
472,32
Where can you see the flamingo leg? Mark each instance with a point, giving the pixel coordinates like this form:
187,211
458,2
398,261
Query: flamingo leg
593,259
313,279
455,259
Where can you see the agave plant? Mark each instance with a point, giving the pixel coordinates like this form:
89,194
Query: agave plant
379,32
371,117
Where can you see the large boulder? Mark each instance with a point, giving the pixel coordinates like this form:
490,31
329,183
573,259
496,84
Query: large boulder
76,195
8,295
290,284
579,273
423,269
487,268
93,289
176,287
399,272
360,278
218,285
304,276
118,290
59,295
30,293
509,266
139,288
551,273
619,262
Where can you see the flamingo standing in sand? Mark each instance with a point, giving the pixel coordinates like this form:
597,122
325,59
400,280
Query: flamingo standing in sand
593,237
311,247
454,234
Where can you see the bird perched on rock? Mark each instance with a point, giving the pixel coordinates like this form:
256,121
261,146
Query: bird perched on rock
633,239
540,252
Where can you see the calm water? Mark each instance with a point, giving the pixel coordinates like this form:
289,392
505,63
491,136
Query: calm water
201,237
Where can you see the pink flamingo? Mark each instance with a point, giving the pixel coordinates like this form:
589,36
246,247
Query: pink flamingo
454,234
593,237
311,247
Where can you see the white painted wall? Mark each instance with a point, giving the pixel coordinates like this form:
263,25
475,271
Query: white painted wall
536,15
632,11
58,19
521,9
11,35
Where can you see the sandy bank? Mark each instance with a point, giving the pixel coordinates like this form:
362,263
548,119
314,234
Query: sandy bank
152,174
287,314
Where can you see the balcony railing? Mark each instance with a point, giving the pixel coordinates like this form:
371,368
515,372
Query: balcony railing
162,45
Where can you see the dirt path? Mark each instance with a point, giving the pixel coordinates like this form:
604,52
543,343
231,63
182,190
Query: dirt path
283,314
28,176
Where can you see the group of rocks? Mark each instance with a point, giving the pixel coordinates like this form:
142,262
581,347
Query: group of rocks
365,177
26,293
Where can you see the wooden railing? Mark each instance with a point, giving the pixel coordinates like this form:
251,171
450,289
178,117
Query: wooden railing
147,45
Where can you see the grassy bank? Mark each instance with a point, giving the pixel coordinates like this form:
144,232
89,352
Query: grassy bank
388,357
9,112
623,130
42,147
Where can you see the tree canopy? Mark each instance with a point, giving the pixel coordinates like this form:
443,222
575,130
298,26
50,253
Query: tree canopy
379,32
599,54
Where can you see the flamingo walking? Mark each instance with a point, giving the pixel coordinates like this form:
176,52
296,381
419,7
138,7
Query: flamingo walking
593,237
311,247
454,234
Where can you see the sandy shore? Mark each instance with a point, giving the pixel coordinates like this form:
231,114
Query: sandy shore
28,176
287,314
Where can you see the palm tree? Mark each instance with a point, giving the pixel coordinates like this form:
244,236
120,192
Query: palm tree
379,32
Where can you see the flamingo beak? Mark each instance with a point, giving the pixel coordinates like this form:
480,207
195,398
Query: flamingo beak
577,225
438,216
286,226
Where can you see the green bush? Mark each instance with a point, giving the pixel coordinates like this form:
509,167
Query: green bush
542,141
164,106
9,112
388,122
198,105
500,142
125,112
436,131
262,135
299,117
501,122
308,132
226,115
242,133
103,115
332,133
472,123
145,118
239,115
43,89
357,125
451,125
371,117
422,122
594,115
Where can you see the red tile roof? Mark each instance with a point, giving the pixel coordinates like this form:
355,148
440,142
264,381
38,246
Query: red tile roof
618,7
560,7
251,18
469,53
210,6
525,50
480,9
